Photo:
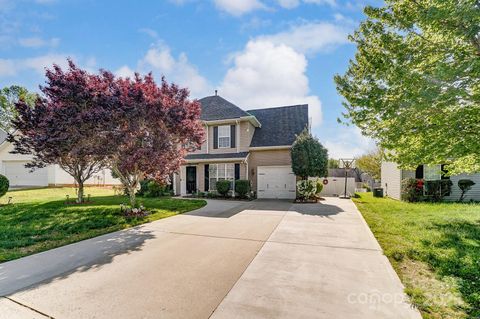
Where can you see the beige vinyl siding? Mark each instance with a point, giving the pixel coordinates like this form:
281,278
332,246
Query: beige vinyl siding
391,177
472,194
266,158
246,134
203,149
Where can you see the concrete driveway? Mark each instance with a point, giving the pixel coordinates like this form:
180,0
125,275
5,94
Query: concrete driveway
262,259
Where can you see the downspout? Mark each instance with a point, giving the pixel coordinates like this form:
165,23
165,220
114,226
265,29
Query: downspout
207,128
237,137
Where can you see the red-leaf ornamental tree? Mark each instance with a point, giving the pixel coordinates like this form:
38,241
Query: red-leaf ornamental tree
151,129
63,126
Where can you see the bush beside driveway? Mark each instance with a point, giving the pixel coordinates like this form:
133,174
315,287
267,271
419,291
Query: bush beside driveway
435,249
39,219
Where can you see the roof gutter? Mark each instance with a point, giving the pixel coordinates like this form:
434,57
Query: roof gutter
252,119
270,148
214,160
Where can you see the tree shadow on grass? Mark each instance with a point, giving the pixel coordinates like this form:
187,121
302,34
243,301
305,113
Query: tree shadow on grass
59,263
457,254
26,228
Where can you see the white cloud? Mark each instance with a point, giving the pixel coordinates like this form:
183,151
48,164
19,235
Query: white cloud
12,67
161,62
150,32
7,68
310,38
41,62
348,143
125,72
290,4
37,42
320,2
265,74
239,7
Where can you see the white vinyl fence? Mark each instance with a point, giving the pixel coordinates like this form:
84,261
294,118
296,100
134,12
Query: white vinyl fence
336,186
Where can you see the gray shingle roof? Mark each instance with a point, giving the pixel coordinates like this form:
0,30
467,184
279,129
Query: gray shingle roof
240,155
280,125
217,108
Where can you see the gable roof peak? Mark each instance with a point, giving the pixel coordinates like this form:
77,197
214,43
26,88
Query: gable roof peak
215,107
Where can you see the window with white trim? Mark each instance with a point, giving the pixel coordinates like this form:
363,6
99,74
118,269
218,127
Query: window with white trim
432,172
217,172
224,136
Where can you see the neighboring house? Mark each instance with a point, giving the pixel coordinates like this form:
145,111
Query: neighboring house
392,177
13,167
252,145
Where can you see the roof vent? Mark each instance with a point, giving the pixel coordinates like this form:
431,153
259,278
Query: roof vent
216,92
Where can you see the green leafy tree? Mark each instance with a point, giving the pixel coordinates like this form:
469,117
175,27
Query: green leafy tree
309,157
333,163
8,97
4,185
414,85
371,163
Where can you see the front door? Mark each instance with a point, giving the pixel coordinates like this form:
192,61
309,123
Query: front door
191,179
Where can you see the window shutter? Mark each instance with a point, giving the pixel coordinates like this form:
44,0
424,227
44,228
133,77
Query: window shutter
444,172
419,172
207,177
237,171
232,136
215,137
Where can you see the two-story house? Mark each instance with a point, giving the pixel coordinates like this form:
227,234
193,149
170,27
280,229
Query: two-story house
253,145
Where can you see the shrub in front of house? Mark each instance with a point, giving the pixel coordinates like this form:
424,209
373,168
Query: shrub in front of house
412,190
435,191
223,187
306,189
4,185
151,188
211,194
242,187
155,189
319,188
143,186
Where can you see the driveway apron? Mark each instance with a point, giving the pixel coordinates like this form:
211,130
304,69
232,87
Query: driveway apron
260,259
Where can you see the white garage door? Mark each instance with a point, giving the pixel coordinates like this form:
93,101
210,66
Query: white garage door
276,182
18,175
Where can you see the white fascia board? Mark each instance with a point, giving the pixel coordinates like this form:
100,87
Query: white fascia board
270,148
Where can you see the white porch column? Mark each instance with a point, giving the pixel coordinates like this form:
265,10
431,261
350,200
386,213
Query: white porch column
183,180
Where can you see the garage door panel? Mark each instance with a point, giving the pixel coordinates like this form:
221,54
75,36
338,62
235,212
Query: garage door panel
276,182
18,175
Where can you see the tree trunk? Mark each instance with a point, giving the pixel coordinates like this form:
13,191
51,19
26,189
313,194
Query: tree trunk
80,192
133,199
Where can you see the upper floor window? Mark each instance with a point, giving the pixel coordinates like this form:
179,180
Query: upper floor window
224,136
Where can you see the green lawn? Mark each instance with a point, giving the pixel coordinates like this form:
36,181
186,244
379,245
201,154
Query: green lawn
39,220
435,249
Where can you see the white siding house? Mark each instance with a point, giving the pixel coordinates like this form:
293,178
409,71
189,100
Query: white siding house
13,167
392,176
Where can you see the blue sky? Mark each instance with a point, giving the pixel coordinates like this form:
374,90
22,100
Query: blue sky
257,53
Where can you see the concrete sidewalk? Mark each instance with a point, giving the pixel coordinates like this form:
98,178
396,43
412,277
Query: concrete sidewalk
262,259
